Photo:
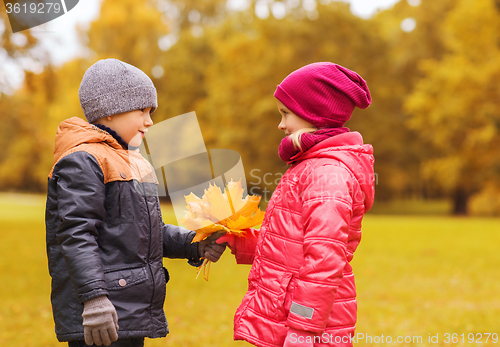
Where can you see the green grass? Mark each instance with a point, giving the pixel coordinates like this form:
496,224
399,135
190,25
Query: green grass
416,275
421,275
412,207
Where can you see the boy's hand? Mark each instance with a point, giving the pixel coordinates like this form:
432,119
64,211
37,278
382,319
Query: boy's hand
209,248
100,322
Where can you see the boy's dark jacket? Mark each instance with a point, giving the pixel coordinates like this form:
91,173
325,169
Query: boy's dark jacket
105,233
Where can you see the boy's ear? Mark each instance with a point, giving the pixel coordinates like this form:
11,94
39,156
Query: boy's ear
98,120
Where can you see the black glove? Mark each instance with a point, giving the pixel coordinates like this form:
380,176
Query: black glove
210,249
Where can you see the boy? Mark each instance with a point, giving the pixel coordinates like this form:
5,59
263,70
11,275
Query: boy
105,234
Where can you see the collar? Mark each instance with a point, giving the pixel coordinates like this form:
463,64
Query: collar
116,136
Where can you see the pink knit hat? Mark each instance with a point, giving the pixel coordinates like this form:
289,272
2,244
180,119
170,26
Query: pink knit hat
324,94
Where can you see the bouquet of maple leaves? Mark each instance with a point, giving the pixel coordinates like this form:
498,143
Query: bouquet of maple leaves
221,211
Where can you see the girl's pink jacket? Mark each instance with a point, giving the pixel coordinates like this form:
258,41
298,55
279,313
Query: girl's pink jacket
301,277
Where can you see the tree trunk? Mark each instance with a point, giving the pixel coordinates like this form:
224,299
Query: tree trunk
460,202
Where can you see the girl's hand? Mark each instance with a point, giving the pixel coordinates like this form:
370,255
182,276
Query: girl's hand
299,338
230,240
242,246
226,240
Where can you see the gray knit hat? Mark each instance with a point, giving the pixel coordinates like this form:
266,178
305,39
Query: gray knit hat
111,86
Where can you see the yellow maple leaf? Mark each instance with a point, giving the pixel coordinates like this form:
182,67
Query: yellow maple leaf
250,207
218,211
234,195
191,198
242,222
217,206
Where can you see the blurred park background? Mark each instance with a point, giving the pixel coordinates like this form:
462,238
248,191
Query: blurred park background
428,262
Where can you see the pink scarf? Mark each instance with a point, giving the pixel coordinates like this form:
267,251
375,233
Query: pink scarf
289,153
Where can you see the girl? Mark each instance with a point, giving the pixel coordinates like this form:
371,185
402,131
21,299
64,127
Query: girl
301,288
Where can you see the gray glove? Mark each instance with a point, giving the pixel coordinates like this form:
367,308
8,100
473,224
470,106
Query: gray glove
100,322
210,249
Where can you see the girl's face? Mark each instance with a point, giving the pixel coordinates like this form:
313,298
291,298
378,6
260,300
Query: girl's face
131,126
290,122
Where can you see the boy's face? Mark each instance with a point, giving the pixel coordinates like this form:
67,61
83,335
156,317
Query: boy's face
132,126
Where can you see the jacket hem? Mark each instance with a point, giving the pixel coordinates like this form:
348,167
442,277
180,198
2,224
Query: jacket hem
259,343
121,335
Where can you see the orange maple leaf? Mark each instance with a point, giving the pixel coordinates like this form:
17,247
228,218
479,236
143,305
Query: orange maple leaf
221,211
218,211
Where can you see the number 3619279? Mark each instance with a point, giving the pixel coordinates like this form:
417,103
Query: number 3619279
39,7
471,338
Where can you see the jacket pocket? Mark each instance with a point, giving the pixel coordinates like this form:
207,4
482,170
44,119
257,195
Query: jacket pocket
285,280
122,279
122,203
287,300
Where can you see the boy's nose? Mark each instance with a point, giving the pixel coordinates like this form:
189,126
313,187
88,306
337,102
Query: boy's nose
148,121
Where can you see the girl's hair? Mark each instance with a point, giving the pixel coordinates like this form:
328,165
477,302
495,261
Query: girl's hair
296,136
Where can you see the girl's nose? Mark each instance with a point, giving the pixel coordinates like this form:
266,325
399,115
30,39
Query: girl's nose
148,121
281,126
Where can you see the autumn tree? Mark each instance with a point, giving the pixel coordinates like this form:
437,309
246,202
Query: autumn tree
225,65
399,149
128,30
22,138
229,73
184,14
455,105
26,145
18,50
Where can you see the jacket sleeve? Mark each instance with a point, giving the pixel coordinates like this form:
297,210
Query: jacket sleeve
80,199
244,247
177,244
326,213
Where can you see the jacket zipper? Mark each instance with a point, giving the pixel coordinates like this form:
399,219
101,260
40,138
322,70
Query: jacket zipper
149,255
149,248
